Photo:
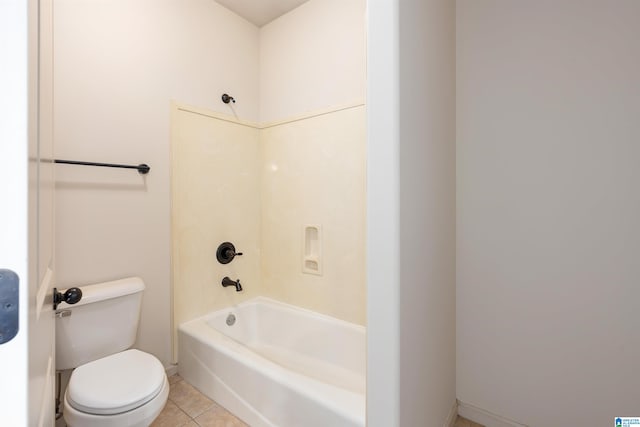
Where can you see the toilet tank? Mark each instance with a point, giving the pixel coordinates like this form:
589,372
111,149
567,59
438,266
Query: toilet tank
103,322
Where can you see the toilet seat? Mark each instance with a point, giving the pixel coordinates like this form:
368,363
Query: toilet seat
141,416
115,384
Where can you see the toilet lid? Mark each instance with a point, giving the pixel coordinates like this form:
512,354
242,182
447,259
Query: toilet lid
115,384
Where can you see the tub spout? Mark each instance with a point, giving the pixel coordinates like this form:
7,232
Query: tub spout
228,282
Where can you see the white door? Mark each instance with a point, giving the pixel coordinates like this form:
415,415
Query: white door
41,345
26,211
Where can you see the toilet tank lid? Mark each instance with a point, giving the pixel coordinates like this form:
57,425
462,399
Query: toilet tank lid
107,290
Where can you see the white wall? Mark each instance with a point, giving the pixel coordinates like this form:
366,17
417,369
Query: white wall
383,222
427,211
313,58
117,66
548,206
411,231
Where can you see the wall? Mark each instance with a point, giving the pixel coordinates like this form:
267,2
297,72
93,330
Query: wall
383,217
427,212
313,172
548,207
215,198
313,59
232,181
411,210
117,66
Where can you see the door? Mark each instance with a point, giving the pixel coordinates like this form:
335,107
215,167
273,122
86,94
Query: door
26,210
41,343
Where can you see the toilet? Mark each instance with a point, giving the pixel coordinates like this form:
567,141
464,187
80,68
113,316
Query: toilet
111,385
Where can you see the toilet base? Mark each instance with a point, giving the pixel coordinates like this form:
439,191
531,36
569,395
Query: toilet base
142,416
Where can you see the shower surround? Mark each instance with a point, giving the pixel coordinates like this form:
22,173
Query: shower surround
257,186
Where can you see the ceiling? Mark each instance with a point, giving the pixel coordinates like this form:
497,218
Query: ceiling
261,12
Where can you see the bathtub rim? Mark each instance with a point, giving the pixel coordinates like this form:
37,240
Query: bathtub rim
289,307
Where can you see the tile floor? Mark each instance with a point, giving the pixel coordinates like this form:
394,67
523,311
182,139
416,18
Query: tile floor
463,422
187,407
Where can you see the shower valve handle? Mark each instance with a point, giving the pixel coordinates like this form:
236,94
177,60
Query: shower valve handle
226,253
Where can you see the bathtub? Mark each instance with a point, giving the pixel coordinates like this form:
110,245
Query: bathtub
277,365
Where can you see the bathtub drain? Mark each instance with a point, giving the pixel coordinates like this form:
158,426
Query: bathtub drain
231,319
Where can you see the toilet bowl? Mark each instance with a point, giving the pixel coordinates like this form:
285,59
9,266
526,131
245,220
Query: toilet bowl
111,385
125,389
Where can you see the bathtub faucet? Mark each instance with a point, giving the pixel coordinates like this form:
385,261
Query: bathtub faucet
228,282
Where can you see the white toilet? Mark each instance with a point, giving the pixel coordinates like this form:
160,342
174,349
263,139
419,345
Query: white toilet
110,386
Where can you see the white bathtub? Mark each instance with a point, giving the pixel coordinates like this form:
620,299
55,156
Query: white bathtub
278,365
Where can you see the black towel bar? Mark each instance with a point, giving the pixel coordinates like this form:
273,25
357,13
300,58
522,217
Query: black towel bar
143,168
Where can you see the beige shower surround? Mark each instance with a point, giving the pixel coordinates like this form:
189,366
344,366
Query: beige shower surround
257,186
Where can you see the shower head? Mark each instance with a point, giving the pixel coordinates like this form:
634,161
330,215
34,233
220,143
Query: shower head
226,98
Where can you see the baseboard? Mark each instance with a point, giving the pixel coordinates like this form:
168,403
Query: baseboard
453,414
171,370
485,418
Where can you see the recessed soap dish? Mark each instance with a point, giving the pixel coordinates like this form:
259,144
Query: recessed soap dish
312,249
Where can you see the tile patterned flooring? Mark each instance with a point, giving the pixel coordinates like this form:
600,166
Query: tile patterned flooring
187,407
463,422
